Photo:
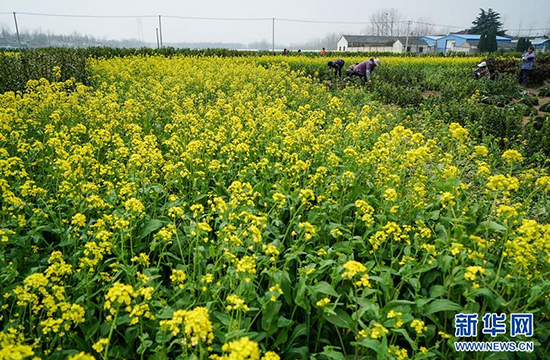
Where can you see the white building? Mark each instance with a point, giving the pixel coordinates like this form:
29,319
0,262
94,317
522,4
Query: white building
381,44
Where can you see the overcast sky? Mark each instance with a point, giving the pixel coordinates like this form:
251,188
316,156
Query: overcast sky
515,14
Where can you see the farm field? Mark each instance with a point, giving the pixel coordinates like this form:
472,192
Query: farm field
247,208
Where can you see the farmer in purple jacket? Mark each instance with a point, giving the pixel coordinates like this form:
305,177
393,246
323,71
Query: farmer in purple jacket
365,69
527,61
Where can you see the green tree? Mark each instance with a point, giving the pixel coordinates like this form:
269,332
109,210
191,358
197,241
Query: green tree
482,44
486,21
521,45
491,41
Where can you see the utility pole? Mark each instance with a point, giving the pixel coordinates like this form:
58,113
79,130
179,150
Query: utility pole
158,43
408,31
273,35
17,29
160,31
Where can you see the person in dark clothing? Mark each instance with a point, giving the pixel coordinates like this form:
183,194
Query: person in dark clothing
365,69
284,52
337,66
349,71
527,61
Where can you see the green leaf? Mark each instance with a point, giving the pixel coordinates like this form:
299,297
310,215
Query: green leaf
282,337
367,305
152,225
341,319
284,322
297,353
300,298
223,318
491,225
331,354
324,287
446,263
441,305
144,344
415,284
535,293
270,316
437,291
370,344
300,330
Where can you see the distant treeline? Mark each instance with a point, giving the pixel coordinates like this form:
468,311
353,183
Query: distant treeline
40,39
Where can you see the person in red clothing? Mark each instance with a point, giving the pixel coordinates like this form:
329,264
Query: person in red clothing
364,69
323,51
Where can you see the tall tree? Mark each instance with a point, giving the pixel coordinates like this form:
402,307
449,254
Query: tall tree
386,22
485,21
482,44
521,45
492,44
422,26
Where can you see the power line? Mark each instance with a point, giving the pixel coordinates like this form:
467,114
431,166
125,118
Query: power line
443,26
86,16
217,18
254,19
325,22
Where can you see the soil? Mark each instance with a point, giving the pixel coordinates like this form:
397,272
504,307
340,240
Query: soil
431,93
534,91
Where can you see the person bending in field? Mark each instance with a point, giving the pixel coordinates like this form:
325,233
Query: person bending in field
527,61
364,69
482,70
337,66
350,69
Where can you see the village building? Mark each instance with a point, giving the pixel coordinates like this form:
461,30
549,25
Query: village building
382,44
461,43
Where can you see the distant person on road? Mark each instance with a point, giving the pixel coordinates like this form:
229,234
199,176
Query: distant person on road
337,66
323,51
299,51
285,52
364,69
527,61
482,70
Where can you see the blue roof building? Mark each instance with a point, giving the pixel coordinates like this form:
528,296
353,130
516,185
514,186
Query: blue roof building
460,42
541,44
431,39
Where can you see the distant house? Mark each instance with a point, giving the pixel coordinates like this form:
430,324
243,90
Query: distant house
431,40
381,44
541,44
466,43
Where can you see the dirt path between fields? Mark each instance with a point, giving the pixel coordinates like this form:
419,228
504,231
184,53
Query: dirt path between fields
534,92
